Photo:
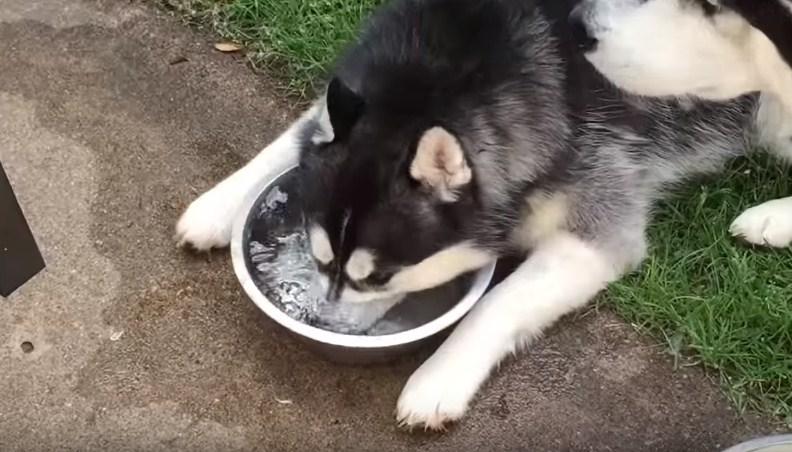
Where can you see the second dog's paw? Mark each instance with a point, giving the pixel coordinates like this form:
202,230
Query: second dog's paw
207,222
432,399
768,224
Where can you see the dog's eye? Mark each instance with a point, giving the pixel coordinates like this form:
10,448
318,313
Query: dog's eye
322,266
379,277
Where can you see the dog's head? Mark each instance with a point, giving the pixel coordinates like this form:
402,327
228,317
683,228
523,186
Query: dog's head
394,195
714,49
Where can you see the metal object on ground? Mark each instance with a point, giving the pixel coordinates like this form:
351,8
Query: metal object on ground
778,443
344,348
20,258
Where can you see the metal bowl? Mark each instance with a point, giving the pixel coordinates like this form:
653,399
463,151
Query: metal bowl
778,443
339,347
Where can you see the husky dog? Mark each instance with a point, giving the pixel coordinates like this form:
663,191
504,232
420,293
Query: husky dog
711,49
455,132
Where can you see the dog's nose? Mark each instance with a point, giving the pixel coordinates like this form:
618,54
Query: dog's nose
580,32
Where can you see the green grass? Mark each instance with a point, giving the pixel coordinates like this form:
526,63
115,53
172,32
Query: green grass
711,299
296,38
714,300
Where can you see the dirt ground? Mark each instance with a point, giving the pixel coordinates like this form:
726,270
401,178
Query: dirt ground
113,117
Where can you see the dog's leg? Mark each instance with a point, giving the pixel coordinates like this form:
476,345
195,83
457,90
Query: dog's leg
774,125
770,224
563,274
208,220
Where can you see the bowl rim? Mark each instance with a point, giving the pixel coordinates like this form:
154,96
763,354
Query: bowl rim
759,444
481,281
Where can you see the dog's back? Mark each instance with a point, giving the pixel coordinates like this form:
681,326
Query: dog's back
506,79
713,49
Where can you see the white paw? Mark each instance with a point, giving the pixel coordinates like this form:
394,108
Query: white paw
207,222
768,224
433,397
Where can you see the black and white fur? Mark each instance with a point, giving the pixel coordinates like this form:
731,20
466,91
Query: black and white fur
711,49
455,132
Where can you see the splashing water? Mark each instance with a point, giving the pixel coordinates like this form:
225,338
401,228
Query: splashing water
286,273
289,278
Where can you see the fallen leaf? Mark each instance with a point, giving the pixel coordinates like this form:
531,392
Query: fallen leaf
227,47
178,60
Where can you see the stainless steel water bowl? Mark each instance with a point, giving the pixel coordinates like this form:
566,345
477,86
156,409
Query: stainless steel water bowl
338,347
778,443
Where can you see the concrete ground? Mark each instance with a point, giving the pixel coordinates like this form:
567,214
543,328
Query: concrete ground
112,118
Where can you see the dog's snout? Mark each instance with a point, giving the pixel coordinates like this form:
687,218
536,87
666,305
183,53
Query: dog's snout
580,31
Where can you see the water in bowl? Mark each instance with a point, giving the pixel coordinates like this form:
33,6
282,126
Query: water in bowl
278,255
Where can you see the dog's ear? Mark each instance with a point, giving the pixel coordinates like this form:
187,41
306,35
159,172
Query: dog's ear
440,164
344,107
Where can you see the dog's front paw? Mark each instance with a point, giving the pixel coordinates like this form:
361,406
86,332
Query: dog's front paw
432,398
207,222
768,224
